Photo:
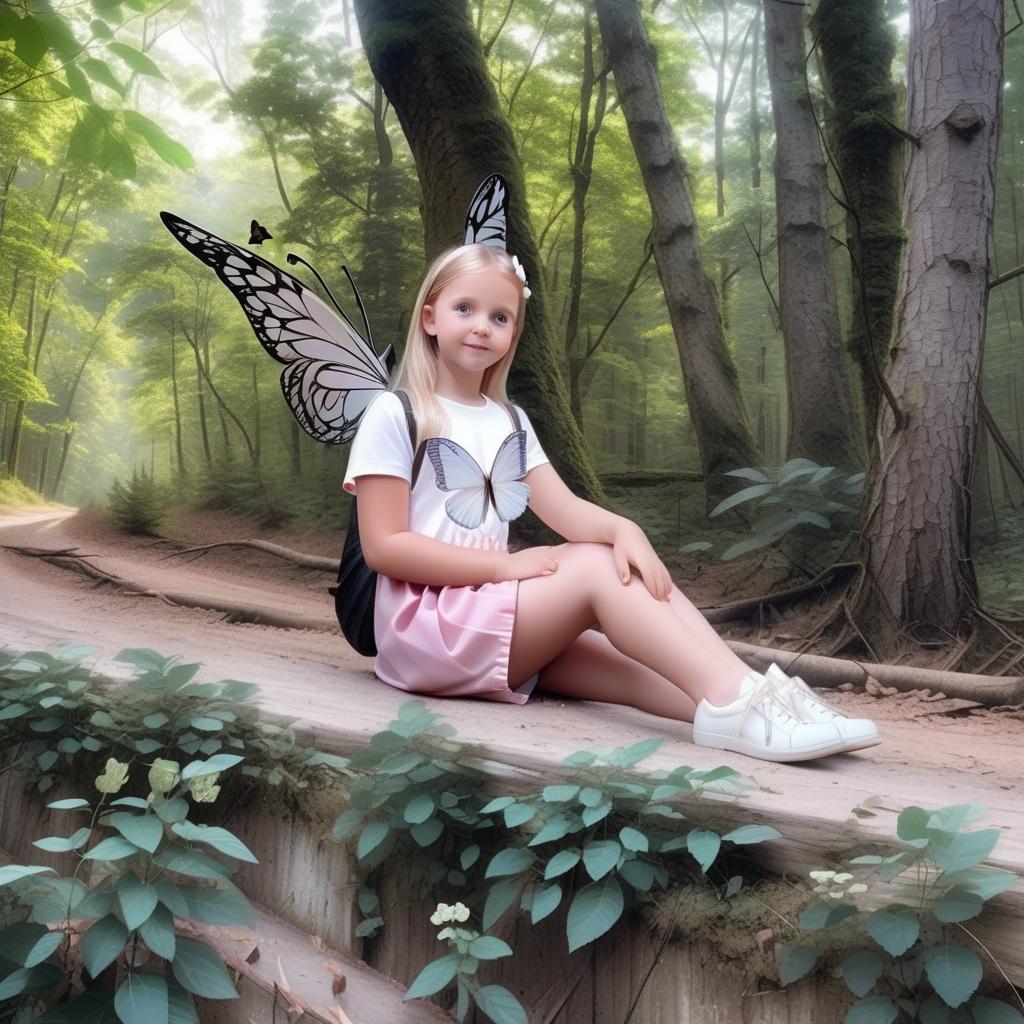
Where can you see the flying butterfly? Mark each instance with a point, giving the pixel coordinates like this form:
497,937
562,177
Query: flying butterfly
456,470
485,221
331,373
258,234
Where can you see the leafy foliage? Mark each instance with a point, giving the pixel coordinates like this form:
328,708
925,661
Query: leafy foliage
797,494
138,506
905,951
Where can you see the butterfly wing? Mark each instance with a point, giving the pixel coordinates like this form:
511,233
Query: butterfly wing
456,470
331,374
511,495
485,221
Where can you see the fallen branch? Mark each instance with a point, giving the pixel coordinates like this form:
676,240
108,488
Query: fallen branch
298,557
817,670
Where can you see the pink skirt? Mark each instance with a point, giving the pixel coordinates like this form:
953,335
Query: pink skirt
447,641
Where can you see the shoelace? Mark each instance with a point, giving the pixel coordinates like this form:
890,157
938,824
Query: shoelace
773,702
798,688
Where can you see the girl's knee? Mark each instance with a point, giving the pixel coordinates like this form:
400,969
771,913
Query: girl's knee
594,558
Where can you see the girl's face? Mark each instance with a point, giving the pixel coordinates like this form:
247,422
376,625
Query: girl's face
473,320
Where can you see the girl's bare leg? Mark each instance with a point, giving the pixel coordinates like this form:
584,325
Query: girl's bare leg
586,590
592,669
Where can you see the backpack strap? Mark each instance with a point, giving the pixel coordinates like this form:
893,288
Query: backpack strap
511,410
410,421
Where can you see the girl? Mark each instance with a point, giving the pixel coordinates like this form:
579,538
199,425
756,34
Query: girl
457,614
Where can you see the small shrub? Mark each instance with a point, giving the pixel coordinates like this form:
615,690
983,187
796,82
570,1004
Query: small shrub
137,507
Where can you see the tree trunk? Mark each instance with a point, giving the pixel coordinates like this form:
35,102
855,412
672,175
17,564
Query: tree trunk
178,447
916,531
857,49
19,410
712,387
755,114
824,423
430,63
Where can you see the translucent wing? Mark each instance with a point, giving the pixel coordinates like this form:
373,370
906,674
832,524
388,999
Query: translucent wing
456,470
331,374
485,221
509,493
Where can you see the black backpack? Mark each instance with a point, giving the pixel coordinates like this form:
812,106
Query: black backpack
357,583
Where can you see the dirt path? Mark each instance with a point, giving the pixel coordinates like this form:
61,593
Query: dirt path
928,756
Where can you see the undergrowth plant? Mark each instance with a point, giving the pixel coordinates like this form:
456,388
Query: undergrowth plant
140,863
137,506
796,494
903,964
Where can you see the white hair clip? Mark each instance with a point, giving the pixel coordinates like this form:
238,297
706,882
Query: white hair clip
521,274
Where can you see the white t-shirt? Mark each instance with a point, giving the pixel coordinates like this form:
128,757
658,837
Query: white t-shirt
382,446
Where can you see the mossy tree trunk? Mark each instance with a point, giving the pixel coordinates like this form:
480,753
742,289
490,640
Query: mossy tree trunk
919,577
713,396
430,62
824,421
857,49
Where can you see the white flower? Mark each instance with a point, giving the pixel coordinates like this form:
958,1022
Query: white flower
460,913
837,894
822,876
521,274
858,887
445,933
842,877
442,914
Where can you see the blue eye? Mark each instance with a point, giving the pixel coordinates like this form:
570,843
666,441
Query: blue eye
461,306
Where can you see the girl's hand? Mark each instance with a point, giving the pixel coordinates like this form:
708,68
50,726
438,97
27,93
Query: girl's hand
631,547
522,565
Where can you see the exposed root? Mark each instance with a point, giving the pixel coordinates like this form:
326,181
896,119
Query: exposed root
298,557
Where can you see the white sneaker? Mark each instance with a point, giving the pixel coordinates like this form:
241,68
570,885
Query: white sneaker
856,732
762,723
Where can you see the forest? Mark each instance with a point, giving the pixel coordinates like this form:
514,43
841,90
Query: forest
776,269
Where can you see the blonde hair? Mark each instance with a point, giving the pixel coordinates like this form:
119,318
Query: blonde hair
417,371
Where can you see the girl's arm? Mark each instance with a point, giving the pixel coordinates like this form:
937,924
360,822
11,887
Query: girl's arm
569,516
390,548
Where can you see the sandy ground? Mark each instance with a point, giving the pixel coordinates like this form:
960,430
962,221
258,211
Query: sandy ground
935,752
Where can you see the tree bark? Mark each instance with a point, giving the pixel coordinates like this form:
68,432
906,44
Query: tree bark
857,49
917,525
824,423
709,375
430,64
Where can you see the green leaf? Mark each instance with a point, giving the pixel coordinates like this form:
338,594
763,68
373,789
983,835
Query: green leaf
500,1005
60,844
400,763
518,814
510,861
638,873
894,930
102,943
144,830
592,815
861,970
958,904
433,977
135,59
965,850
219,838
499,899
752,834
595,908
986,882
26,944
704,845
12,711
579,759
825,915
994,1011
953,971
933,1011
157,932
545,901
68,805
419,809
371,837
747,494
633,840
629,756
873,1010
15,872
224,904
793,962
171,897
114,848
558,794
600,856
563,861
155,721
137,900
142,999
487,947
199,970
348,821
99,71
14,984
556,828
217,763
591,796
29,42
498,804
191,862
148,746
469,857
427,832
